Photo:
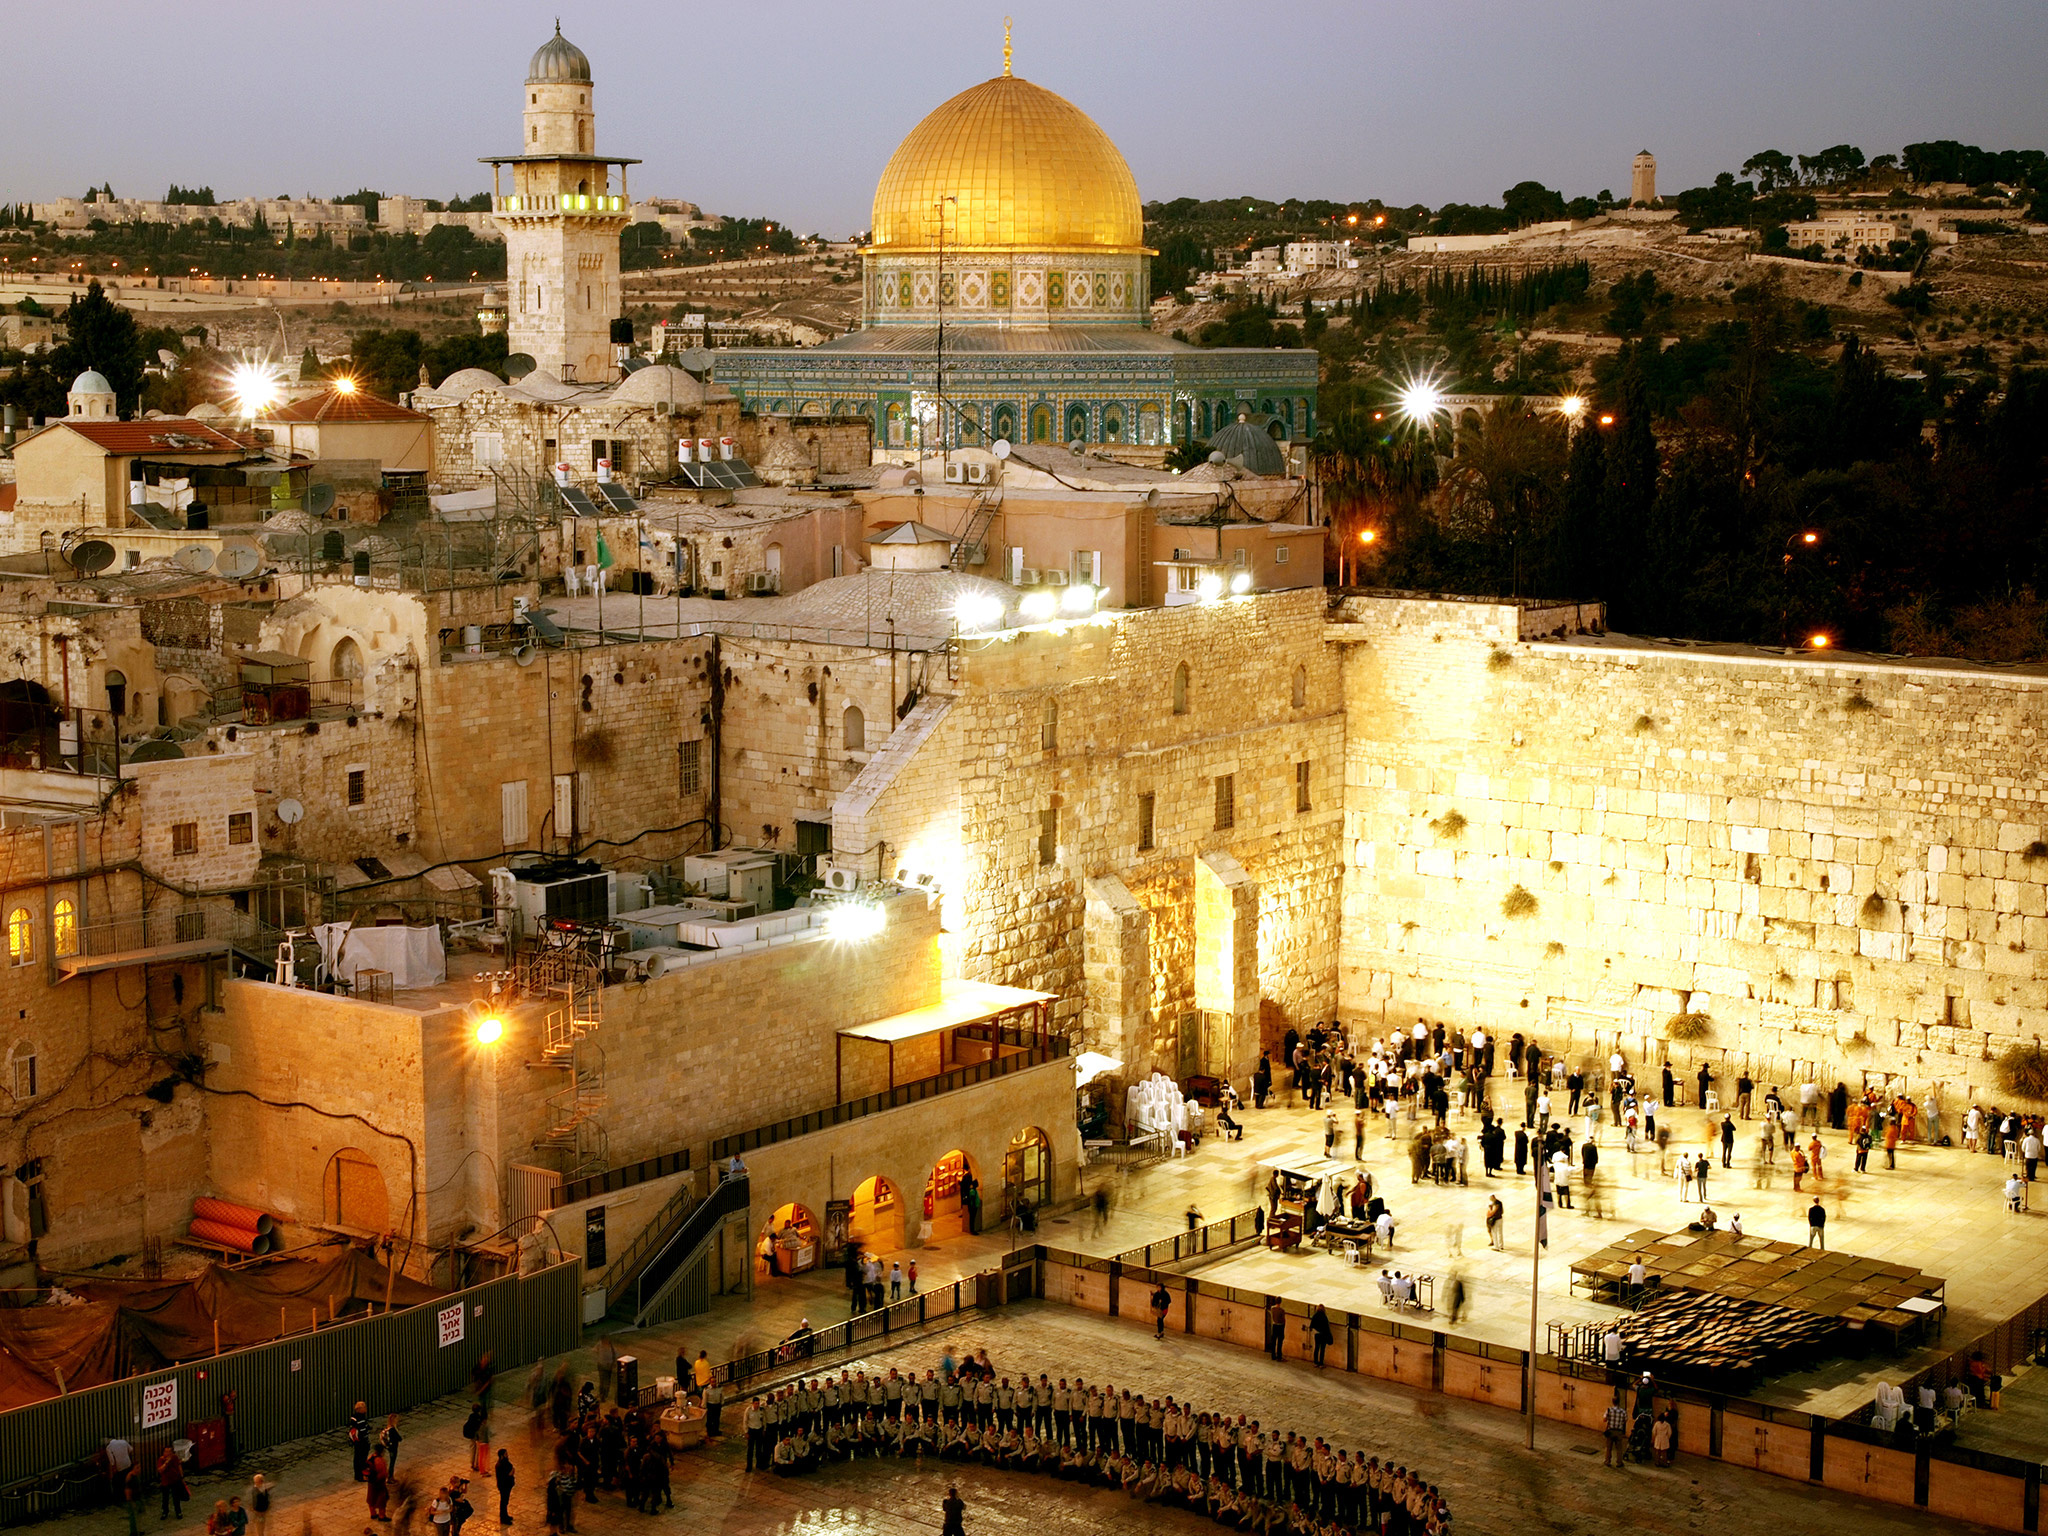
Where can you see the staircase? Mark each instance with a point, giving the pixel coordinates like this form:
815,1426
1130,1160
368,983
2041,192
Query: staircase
676,1282
571,979
973,547
619,1276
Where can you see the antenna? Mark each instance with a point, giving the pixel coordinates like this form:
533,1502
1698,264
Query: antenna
237,561
90,557
194,558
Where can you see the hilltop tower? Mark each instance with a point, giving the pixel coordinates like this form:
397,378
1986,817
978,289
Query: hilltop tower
1642,180
562,221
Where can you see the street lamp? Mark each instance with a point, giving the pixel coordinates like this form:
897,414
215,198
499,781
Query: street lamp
489,1029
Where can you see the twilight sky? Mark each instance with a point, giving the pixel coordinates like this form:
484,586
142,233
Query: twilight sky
789,108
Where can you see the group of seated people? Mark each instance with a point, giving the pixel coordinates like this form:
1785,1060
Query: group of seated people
1269,1483
1397,1289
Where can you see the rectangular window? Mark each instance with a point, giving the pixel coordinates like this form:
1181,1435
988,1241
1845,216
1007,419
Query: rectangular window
1300,788
242,827
357,790
24,1074
1280,553
512,813
490,448
690,757
1088,567
1145,804
838,560
1226,801
184,838
1048,836
1237,557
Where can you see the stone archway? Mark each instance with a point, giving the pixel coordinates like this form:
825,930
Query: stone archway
790,1243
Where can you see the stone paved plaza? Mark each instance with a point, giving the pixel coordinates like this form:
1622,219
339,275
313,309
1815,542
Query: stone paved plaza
1475,1454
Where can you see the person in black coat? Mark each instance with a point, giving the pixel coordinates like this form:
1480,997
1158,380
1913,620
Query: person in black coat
506,1480
1522,1148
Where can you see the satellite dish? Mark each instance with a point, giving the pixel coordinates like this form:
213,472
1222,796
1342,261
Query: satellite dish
167,357
237,561
194,558
90,557
525,653
320,500
1000,448
290,812
158,751
518,366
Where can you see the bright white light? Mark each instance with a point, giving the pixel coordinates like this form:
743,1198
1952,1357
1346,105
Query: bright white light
344,385
1421,401
1241,583
489,1029
254,386
1573,406
853,921
1210,586
979,610
1039,606
1079,598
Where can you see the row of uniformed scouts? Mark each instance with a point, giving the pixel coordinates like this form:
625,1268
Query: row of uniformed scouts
1265,1481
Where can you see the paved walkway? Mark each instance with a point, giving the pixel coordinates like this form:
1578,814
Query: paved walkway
1475,1454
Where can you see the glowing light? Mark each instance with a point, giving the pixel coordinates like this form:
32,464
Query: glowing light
489,1029
1039,606
1819,640
1241,583
1606,420
1809,538
1079,598
344,385
254,386
979,610
854,921
1368,537
1573,406
1421,401
1210,586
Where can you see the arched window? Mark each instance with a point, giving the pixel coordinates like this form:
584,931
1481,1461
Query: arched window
21,937
21,1069
347,661
1049,728
1301,687
1077,423
64,928
856,729
117,693
1180,689
1041,424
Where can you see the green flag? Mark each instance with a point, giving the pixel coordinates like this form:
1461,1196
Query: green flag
604,554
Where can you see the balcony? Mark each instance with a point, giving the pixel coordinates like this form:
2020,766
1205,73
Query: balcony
168,934
560,202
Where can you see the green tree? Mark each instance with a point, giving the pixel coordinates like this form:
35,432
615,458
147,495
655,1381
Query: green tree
1770,168
309,363
1530,202
101,334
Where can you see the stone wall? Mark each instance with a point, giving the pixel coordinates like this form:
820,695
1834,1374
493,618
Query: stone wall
1840,863
193,837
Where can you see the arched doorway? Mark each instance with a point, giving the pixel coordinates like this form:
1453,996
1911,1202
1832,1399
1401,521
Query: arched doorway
354,1194
875,1217
774,560
345,664
788,1244
1027,1168
947,1208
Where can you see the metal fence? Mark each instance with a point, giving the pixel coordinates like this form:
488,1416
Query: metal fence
1216,1235
890,1098
300,1385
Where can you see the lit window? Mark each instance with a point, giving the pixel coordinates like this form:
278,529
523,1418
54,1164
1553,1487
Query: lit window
21,937
64,928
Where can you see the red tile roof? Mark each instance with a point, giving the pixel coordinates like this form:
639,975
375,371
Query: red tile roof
174,436
335,406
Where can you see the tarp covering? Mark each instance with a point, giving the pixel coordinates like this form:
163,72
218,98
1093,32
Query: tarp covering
125,1327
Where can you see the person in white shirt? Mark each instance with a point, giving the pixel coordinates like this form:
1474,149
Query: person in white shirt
1561,1177
1638,1276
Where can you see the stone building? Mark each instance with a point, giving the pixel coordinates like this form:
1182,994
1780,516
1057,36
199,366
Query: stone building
1008,218
1642,180
561,221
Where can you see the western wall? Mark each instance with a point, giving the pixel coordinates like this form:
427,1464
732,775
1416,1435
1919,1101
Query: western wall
1837,862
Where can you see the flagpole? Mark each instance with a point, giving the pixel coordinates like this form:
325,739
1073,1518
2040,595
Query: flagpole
1535,1270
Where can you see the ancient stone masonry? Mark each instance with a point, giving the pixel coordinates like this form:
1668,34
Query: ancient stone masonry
1837,863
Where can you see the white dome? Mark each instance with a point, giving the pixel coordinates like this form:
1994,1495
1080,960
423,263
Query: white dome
91,382
657,384
464,382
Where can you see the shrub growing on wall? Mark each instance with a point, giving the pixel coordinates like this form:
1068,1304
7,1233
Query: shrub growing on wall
1688,1026
1517,903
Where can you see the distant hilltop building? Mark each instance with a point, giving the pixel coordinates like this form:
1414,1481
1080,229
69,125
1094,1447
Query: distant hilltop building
1642,180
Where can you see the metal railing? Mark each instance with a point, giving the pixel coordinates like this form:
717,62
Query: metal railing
209,921
625,1176
1214,1236
675,1261
916,1092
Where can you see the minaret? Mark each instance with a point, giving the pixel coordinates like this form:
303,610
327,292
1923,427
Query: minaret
561,220
1642,180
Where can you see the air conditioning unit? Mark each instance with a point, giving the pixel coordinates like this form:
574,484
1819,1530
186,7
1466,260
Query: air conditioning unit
977,554
838,877
762,583
956,473
1054,577
1028,576
978,474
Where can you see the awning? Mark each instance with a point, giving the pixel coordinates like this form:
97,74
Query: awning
960,1002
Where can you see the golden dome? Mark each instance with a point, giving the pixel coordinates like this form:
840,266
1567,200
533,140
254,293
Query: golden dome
1028,171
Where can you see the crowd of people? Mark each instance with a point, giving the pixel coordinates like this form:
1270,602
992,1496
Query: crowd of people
1242,1475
